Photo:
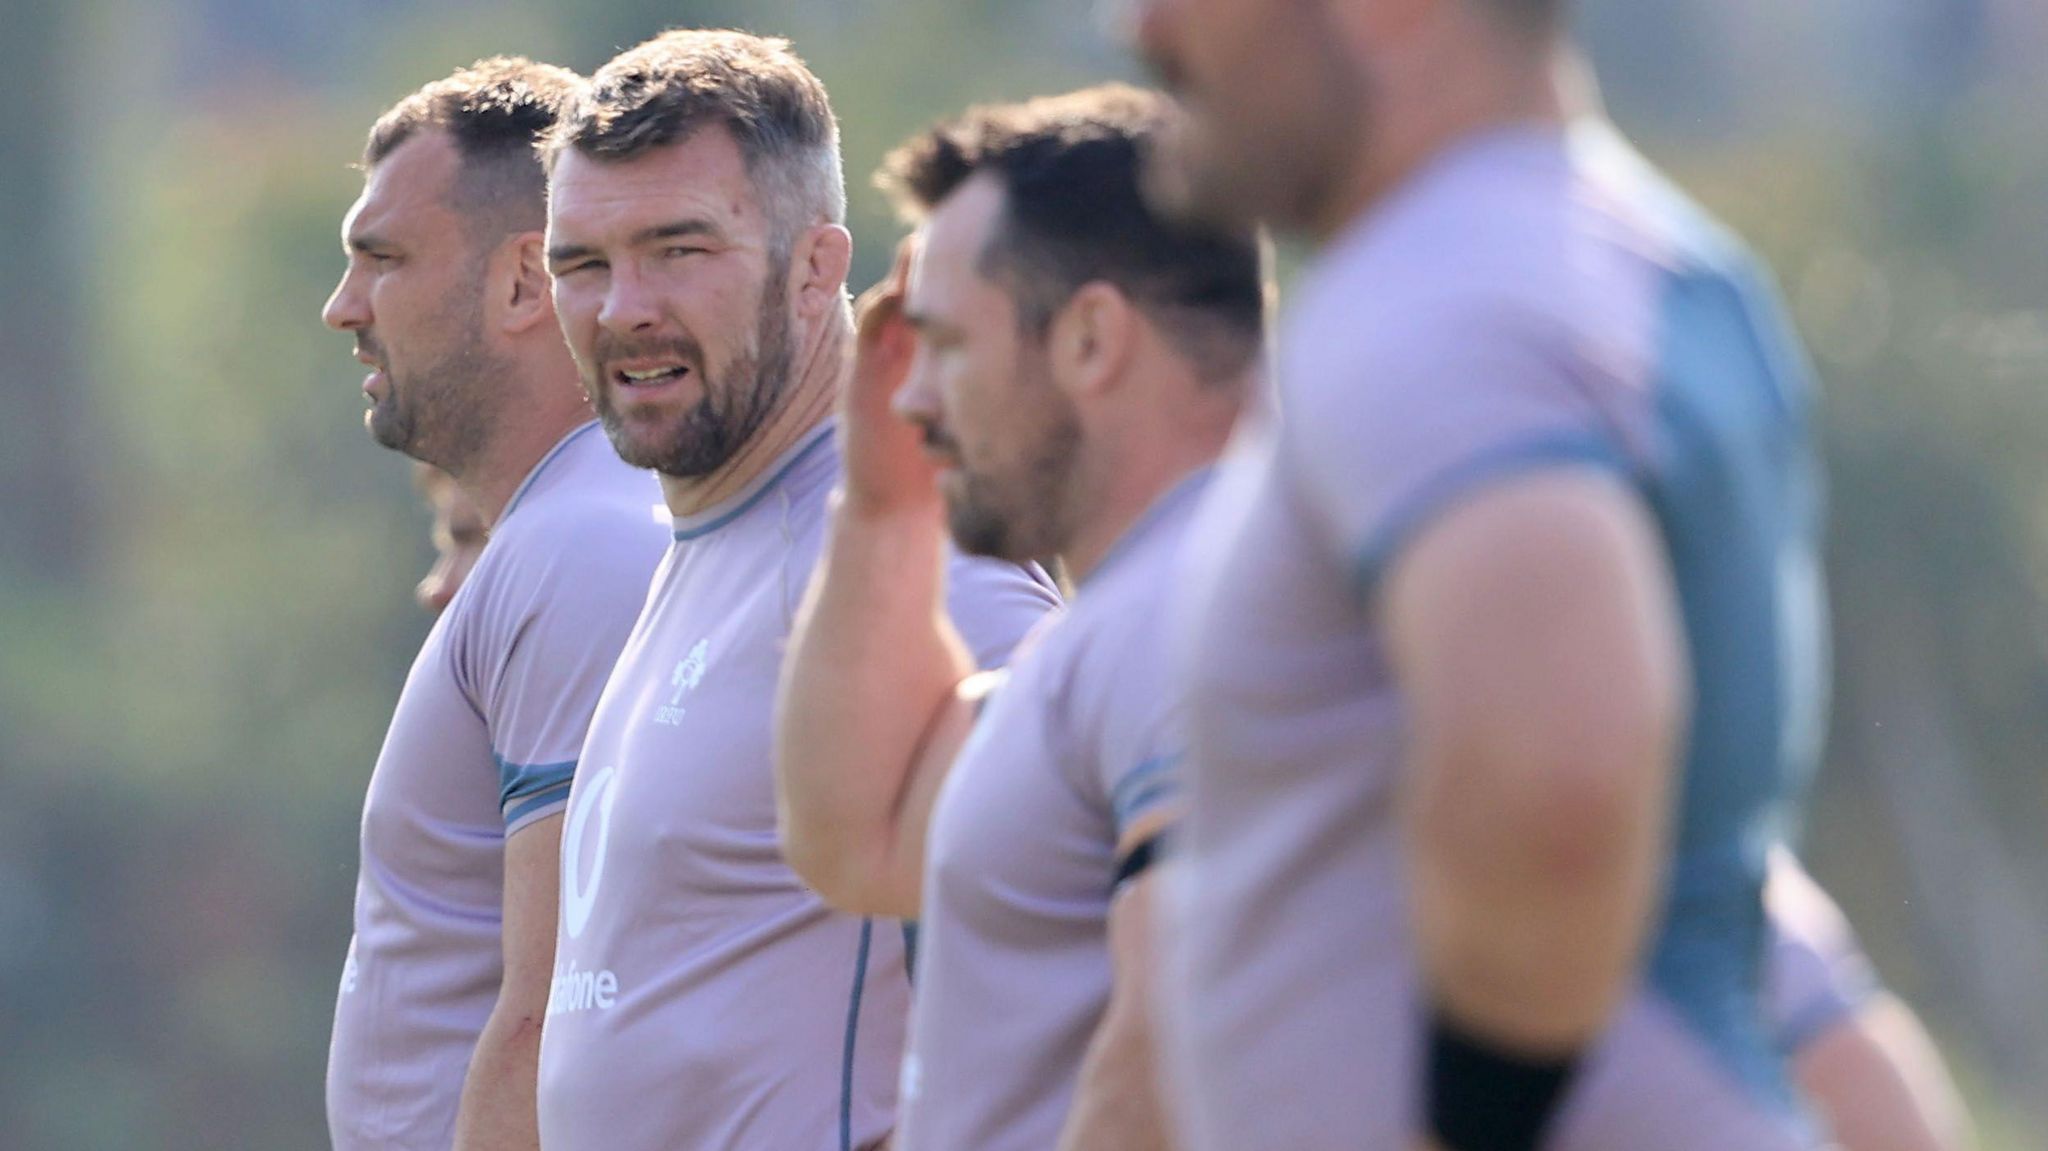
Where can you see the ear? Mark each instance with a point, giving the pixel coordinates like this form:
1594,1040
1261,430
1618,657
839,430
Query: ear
1092,340
519,290
818,269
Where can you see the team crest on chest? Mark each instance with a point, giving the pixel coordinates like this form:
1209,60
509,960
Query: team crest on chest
683,680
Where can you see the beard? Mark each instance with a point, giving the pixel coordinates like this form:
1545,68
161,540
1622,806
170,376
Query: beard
733,407
1023,516
442,413
1279,155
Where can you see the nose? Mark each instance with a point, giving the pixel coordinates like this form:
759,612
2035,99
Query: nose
348,309
629,305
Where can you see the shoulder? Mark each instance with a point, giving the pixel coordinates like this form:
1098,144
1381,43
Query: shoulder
594,532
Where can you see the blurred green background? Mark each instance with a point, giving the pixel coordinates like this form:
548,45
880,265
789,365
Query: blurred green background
205,563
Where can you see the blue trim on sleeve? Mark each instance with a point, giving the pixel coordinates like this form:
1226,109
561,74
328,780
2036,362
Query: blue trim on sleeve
1144,787
910,951
1472,475
860,982
1850,995
538,803
519,780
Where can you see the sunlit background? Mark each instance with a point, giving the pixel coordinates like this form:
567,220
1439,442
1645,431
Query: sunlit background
205,563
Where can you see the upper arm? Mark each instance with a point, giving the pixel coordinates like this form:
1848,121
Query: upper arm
1880,1082
902,894
532,902
1539,618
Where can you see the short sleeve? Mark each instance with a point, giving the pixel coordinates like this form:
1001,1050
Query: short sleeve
994,604
579,614
1388,429
1817,975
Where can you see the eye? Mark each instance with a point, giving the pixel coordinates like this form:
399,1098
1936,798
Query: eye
677,251
564,271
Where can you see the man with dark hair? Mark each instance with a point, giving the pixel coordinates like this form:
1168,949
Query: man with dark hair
437,1027
703,997
1076,365
1508,660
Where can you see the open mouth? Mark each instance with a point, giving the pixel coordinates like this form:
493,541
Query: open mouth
652,377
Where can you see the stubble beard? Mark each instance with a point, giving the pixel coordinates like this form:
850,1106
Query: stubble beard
731,411
1025,520
1218,168
444,413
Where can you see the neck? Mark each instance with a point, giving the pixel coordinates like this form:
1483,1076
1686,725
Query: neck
807,404
534,425
1424,106
1131,477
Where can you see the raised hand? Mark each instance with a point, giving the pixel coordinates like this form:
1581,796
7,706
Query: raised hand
886,470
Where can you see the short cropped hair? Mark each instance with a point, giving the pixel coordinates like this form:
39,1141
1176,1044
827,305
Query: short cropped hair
662,91
1071,168
494,111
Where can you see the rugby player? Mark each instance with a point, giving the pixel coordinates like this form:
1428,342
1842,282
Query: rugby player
457,534
1507,649
704,998
436,1028
1076,366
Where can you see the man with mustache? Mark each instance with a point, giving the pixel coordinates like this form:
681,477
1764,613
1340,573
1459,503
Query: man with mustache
1507,662
703,996
437,1026
1073,365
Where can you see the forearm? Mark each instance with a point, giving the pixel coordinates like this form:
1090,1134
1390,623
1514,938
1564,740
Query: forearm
872,667
498,1111
1116,1102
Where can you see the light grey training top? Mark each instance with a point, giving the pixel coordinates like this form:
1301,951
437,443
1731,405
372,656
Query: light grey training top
703,997
482,744
1537,299
1081,739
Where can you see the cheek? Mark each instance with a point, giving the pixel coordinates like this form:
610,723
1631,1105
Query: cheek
577,304
711,297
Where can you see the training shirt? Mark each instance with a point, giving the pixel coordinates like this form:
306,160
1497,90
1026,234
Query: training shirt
482,744
1535,299
1081,739
704,997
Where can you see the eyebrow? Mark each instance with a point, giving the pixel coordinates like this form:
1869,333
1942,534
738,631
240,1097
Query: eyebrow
673,230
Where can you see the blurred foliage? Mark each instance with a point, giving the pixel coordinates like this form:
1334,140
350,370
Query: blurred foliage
189,711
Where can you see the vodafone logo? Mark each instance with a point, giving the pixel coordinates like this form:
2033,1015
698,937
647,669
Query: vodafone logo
579,893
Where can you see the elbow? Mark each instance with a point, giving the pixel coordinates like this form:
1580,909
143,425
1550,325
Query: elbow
843,877
816,862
